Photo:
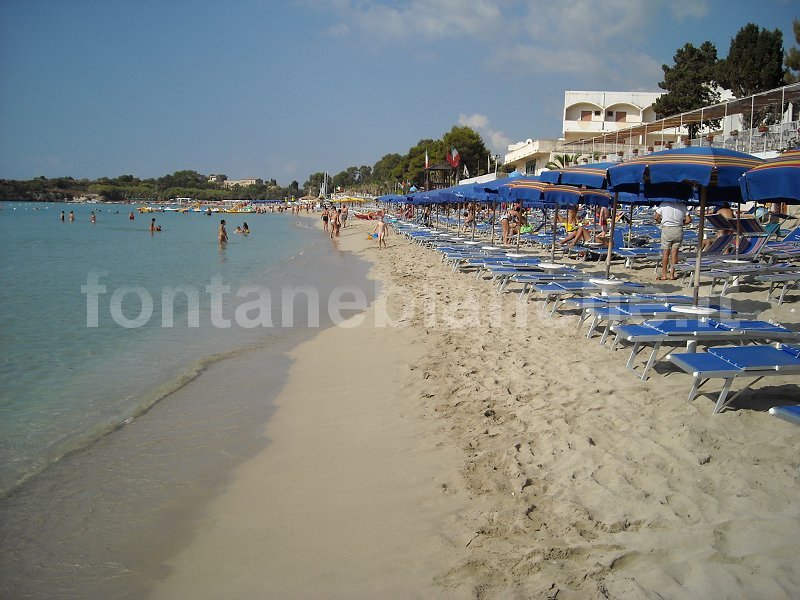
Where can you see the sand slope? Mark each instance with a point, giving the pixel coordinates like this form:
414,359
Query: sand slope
509,457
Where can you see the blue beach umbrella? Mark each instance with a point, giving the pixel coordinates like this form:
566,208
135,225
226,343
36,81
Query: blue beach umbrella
776,180
678,173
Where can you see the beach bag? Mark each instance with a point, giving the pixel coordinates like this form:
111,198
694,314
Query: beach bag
525,229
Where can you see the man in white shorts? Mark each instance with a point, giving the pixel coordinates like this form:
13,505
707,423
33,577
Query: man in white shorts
672,216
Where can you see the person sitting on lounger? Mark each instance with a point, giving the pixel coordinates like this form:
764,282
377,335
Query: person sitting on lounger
581,235
724,210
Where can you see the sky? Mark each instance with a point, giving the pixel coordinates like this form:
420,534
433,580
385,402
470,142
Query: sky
281,89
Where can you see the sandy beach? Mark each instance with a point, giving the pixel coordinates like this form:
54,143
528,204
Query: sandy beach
476,448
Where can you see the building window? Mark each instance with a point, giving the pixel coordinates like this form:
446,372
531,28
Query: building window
586,115
622,116
609,113
597,113
530,167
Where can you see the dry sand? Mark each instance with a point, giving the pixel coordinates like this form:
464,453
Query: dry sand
495,452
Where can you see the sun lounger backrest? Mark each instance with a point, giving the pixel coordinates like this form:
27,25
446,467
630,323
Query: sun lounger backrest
793,235
720,244
749,225
719,222
751,245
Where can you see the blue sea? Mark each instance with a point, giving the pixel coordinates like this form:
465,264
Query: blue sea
137,370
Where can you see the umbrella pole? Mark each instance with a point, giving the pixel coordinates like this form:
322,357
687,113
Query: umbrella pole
630,225
611,234
738,227
458,216
553,245
474,218
494,221
699,253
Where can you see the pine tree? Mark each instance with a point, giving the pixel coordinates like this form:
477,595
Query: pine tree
690,83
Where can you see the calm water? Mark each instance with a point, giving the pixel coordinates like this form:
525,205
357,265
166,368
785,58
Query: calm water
64,384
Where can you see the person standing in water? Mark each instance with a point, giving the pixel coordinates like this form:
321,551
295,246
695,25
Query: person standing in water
223,235
71,216
93,218
62,216
131,217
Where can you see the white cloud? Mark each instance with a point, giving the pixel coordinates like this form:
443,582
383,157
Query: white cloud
689,9
497,140
430,19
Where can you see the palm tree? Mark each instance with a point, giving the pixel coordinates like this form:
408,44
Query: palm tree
561,161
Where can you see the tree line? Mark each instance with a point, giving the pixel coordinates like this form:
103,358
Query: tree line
127,188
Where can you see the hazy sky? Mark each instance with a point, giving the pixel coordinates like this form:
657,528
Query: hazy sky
282,89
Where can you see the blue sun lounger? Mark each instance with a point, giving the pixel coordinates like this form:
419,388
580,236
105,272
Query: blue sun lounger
555,292
624,314
730,362
787,413
692,331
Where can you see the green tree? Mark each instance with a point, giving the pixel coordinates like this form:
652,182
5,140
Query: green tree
754,64
690,83
469,145
792,58
561,161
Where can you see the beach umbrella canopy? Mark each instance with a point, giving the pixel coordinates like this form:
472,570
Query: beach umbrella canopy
678,173
776,180
590,176
523,188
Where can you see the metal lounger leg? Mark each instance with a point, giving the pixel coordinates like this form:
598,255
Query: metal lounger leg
722,403
592,326
650,361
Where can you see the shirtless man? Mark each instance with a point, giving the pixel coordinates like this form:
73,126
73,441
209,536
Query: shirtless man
382,230
223,235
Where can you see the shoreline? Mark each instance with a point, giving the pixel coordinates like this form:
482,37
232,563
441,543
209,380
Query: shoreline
143,482
350,496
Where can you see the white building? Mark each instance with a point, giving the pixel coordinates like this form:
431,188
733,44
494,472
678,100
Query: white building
232,183
588,114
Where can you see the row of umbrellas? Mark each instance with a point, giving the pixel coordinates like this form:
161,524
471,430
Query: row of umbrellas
698,175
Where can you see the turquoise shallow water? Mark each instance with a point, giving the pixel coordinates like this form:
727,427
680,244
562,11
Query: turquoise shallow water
64,384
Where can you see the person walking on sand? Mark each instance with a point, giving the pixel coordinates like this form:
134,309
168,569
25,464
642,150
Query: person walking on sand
672,216
381,230
345,212
223,235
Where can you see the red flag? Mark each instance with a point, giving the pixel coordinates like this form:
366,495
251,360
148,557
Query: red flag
453,157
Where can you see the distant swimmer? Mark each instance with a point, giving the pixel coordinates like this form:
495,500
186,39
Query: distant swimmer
223,235
131,217
62,216
153,226
71,216
93,218
245,228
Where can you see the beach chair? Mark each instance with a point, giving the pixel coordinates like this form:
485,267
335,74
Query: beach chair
787,413
789,280
729,362
557,292
657,333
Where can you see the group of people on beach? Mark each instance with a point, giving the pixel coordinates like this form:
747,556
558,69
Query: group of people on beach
333,219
